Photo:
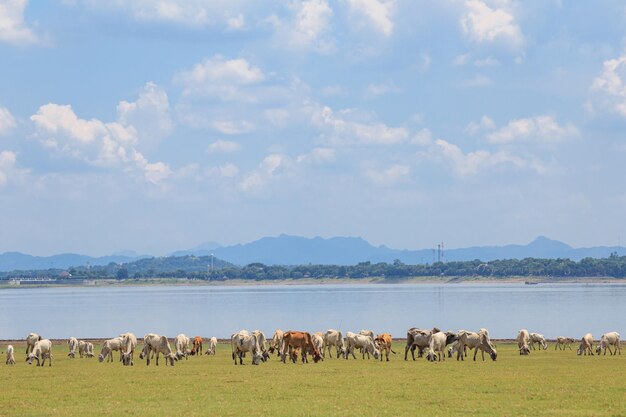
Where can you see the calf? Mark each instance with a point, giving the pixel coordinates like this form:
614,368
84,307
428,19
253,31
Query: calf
10,356
539,339
384,342
196,347
562,342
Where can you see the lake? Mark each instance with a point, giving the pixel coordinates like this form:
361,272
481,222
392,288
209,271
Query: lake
92,312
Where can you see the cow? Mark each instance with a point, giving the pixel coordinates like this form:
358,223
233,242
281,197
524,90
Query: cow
31,339
586,345
212,346
154,343
129,343
41,351
436,346
73,344
539,339
196,346
523,339
417,339
562,342
334,338
606,341
90,350
10,355
243,342
363,342
262,341
318,342
277,341
108,347
181,343
384,342
477,341
301,341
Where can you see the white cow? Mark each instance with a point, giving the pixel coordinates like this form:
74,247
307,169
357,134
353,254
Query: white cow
181,343
277,342
108,347
212,346
477,341
31,339
538,338
417,339
129,343
73,344
262,342
334,338
41,351
523,340
241,343
562,342
586,345
153,343
437,346
83,349
360,341
606,341
10,356
318,342
90,350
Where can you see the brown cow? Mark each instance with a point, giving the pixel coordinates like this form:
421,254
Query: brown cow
384,344
197,346
299,341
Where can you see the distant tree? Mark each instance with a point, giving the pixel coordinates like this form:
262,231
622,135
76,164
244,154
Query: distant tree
122,273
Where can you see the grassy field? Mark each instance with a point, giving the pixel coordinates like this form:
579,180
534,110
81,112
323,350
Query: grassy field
547,383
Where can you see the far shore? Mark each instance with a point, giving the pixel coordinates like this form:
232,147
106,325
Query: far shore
316,281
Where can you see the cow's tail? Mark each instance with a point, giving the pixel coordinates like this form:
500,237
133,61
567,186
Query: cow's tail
392,351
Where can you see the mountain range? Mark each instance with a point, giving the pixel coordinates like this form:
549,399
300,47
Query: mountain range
295,250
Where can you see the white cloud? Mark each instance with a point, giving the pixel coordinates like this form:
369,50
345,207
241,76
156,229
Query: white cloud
318,156
229,127
389,176
236,22
379,13
310,26
467,164
610,86
220,77
223,146
482,23
539,128
423,137
7,166
13,30
339,130
7,121
485,123
460,60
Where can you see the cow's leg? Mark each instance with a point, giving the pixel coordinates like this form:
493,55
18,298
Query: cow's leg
406,351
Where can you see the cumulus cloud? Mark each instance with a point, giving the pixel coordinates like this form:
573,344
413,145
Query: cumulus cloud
389,176
340,130
423,137
377,13
543,129
485,123
13,29
220,78
7,121
223,146
269,168
7,166
97,143
309,27
318,156
482,23
610,86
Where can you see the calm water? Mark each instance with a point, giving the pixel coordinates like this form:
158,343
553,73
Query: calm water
557,309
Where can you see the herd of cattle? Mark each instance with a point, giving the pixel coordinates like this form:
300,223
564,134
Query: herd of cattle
293,344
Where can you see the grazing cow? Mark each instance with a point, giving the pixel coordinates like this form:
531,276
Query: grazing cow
153,343
539,339
212,346
10,356
363,342
417,339
243,342
181,343
586,345
477,341
31,339
129,343
262,341
277,342
196,347
437,345
334,338
368,333
301,341
318,342
90,350
562,342
73,344
108,347
606,341
41,351
523,338
384,342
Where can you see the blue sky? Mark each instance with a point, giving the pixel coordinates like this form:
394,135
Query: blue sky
158,125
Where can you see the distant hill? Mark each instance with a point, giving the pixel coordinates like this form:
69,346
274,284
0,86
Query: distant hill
11,261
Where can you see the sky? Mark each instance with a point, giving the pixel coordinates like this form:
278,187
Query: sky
155,125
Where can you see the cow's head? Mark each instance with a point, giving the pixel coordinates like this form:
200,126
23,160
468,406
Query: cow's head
316,356
493,354
376,353
432,356
451,337
524,350
265,356
598,349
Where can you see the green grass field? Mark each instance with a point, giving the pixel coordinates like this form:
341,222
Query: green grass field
547,383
